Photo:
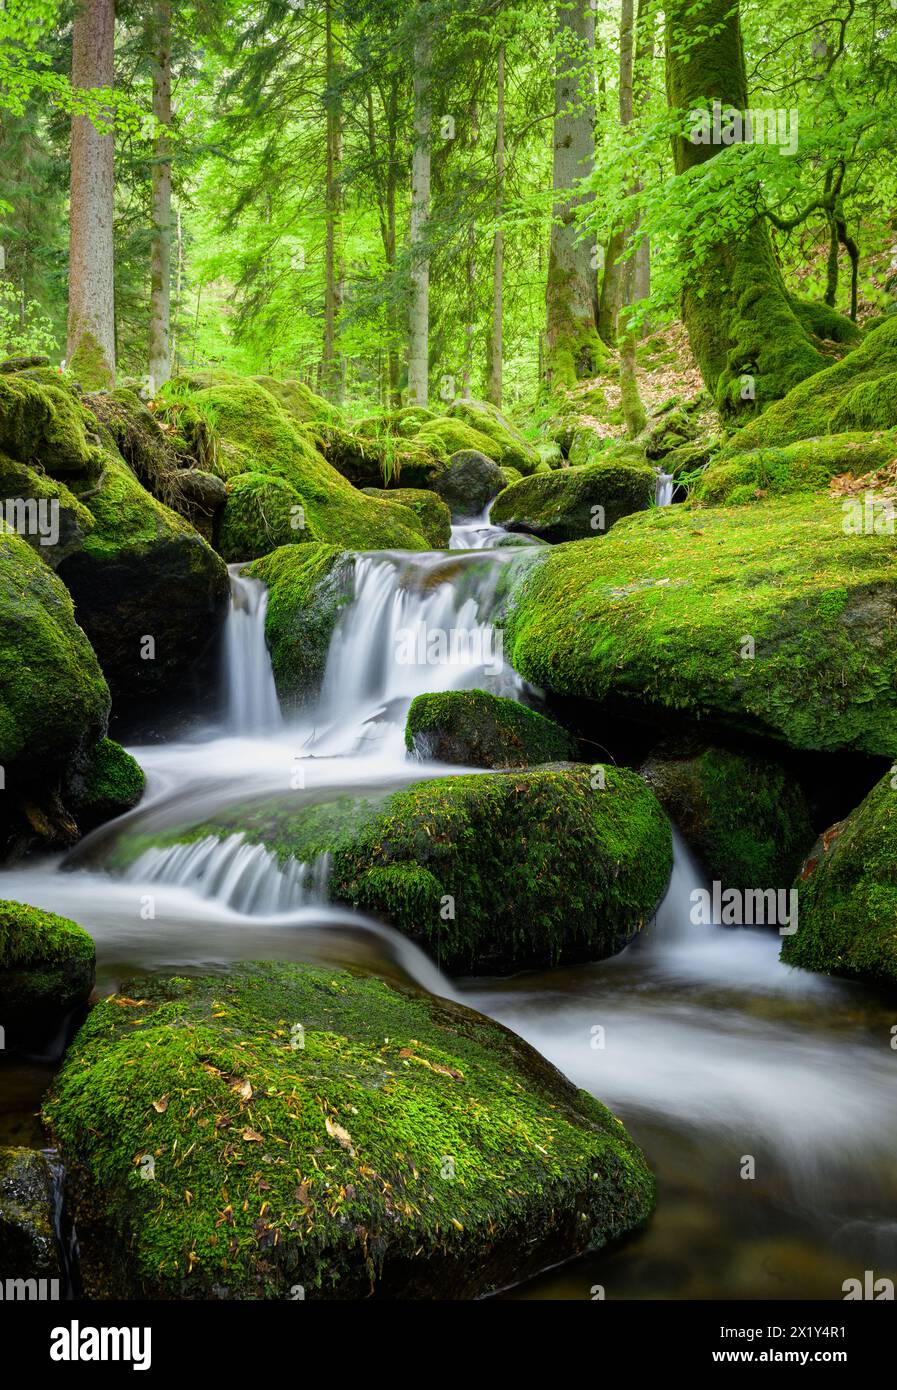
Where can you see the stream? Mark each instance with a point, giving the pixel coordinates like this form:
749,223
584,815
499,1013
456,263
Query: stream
710,1051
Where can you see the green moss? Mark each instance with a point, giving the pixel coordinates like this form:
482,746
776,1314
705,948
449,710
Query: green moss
745,816
589,865
569,503
847,895
409,1147
856,393
509,447
88,364
113,783
449,436
433,516
307,588
378,460
258,436
511,475
805,466
46,423
21,485
46,966
261,513
300,401
477,729
661,611
53,698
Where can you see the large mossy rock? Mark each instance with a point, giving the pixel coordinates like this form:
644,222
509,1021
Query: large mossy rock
47,422
256,435
407,1148
805,466
573,503
433,515
509,448
847,895
767,618
445,436
111,784
46,968
586,869
28,1245
744,815
372,460
143,572
469,481
476,729
857,393
261,513
308,586
54,701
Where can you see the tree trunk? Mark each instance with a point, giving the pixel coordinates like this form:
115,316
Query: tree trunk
495,348
573,347
640,285
750,335
160,251
617,272
419,315
90,351
333,369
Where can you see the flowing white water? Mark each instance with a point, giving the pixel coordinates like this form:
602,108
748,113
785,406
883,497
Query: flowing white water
417,624
664,491
252,706
476,533
243,876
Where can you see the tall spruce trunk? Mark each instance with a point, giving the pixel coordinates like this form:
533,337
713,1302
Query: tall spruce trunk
90,350
573,347
419,310
495,345
160,249
751,336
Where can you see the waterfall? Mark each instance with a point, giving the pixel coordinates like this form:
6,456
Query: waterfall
245,877
252,706
664,492
477,533
417,624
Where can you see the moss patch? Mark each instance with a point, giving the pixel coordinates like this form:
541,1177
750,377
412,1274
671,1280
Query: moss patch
477,729
433,516
667,609
46,967
260,514
570,503
307,588
847,895
510,448
806,466
409,1147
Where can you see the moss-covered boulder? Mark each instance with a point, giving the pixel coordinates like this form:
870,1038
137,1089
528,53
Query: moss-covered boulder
745,816
111,783
308,586
28,1245
46,422
150,593
570,503
261,513
379,460
46,968
54,702
43,511
336,1137
591,859
477,729
669,431
433,516
767,618
857,393
805,466
510,447
847,895
447,436
301,401
255,434
469,481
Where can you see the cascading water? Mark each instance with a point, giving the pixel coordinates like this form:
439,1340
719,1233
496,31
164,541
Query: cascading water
712,1049
417,624
251,697
664,490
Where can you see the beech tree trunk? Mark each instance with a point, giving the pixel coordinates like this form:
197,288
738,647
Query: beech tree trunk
333,367
495,348
90,351
419,312
573,347
752,337
160,250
